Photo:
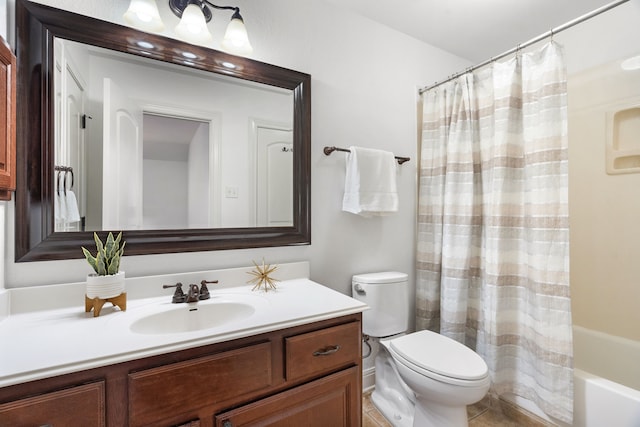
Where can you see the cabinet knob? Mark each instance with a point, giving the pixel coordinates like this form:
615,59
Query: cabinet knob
227,423
327,351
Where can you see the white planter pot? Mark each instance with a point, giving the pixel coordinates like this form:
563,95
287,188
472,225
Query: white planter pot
104,287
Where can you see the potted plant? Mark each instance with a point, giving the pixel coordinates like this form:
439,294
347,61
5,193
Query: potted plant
108,280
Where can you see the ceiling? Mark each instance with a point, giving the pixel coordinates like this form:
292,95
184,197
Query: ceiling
472,29
168,138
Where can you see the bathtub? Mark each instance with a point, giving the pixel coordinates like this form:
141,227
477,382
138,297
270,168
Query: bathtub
606,380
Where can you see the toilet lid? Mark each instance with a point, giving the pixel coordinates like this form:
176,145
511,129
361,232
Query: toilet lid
442,355
379,278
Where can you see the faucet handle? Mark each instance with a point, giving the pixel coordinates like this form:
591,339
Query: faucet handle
204,291
178,296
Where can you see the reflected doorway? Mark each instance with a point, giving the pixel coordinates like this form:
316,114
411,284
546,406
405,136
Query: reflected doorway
175,160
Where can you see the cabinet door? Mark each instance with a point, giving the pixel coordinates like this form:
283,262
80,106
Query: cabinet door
183,388
330,401
78,406
7,121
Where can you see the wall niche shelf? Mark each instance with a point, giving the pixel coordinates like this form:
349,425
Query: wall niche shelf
623,140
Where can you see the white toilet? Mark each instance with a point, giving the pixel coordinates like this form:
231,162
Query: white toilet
423,379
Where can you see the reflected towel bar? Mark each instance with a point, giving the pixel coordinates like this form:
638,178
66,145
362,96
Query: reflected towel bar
62,171
329,150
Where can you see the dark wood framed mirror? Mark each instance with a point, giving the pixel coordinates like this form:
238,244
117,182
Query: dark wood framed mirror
36,238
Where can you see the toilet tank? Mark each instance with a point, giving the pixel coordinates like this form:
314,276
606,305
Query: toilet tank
386,295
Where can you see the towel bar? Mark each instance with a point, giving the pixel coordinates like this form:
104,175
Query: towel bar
329,150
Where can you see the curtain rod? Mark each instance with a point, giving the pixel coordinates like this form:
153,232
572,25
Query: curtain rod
549,33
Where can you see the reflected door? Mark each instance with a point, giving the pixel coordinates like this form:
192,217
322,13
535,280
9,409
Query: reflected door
274,196
69,141
122,150
75,143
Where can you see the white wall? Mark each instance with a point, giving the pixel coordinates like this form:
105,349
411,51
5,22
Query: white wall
364,92
3,19
199,193
165,196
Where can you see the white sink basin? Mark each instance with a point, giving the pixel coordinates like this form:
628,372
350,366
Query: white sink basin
192,317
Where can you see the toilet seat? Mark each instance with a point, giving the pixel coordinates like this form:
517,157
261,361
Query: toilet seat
440,358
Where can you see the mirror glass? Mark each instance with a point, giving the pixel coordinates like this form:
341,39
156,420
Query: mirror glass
203,151
182,147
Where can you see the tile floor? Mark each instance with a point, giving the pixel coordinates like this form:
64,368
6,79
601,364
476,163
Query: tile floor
485,413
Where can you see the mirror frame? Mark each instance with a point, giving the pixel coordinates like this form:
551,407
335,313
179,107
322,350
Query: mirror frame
35,239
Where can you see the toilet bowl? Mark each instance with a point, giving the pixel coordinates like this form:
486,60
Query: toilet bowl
423,379
444,375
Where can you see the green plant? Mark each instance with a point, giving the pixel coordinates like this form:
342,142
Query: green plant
107,259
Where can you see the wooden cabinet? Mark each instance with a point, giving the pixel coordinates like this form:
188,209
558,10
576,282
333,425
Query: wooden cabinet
329,401
159,393
81,405
308,375
7,121
322,351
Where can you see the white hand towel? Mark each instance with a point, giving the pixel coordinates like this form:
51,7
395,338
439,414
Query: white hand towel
71,207
60,208
370,183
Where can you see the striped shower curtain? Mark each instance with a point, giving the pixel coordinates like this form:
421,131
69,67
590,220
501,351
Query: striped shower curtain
493,226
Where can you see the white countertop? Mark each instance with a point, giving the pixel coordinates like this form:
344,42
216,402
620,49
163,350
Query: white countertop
46,343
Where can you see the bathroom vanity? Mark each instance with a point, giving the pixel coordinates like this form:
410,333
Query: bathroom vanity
7,121
295,360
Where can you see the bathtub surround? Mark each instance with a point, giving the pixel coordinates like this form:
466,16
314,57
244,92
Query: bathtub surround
604,207
493,238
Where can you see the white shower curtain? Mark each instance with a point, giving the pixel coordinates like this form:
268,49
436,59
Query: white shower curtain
493,226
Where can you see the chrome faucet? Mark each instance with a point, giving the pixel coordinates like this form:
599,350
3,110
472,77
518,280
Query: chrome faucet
193,295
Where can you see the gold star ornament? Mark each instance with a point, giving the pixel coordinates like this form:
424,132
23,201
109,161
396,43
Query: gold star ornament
261,276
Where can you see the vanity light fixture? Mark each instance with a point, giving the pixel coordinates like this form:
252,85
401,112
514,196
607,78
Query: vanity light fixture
193,25
144,15
194,16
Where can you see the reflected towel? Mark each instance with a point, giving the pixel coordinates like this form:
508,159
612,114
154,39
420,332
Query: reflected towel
370,183
66,207
59,208
73,213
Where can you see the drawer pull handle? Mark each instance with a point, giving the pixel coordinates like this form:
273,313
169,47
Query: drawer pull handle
327,351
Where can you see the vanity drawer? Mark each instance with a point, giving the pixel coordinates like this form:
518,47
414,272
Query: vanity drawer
80,405
158,393
322,351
